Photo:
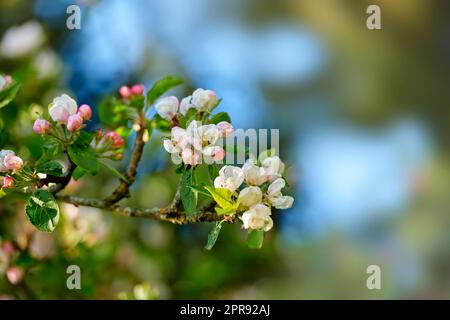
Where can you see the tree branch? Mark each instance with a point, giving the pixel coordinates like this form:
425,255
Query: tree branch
123,190
168,214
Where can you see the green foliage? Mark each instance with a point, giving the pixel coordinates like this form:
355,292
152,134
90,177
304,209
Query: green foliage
113,171
221,116
43,211
255,239
224,199
51,167
189,196
213,235
82,154
9,93
78,173
162,86
114,112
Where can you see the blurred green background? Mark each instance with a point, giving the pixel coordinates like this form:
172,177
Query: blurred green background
364,120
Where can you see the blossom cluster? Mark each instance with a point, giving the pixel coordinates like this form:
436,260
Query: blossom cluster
65,111
263,184
9,162
201,100
133,91
198,142
108,145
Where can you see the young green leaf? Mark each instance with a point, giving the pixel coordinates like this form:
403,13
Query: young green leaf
78,173
222,196
43,211
84,157
52,167
202,190
162,86
221,116
255,238
213,235
213,171
189,196
8,94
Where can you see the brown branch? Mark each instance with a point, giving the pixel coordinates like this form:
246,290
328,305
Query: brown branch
168,214
123,190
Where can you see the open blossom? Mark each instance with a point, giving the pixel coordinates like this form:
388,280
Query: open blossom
225,129
62,108
250,196
254,175
273,167
257,217
276,198
74,123
3,154
167,107
204,100
179,140
41,126
8,182
9,161
230,177
115,139
190,157
215,152
85,112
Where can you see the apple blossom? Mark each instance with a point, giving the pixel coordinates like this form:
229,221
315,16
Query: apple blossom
225,129
74,123
215,152
276,198
138,89
204,100
250,196
185,105
41,126
125,92
8,182
85,112
167,107
230,177
12,162
190,157
254,175
3,154
62,108
115,139
257,217
14,275
273,167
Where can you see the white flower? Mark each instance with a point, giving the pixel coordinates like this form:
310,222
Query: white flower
209,133
250,196
204,100
254,175
190,157
62,108
273,167
230,177
179,140
167,107
185,105
276,198
257,217
3,154
225,129
21,40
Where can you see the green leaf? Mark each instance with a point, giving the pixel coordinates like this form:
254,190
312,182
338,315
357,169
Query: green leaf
216,105
185,120
162,124
213,235
113,171
213,171
255,239
124,132
78,173
84,157
113,112
179,169
189,196
162,86
43,211
84,138
52,167
138,102
9,93
228,210
222,196
201,189
221,116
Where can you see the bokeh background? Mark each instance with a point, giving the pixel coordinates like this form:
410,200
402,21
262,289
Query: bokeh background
364,120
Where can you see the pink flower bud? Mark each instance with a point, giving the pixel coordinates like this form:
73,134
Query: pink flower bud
138,89
7,248
125,92
41,126
219,154
99,134
14,275
85,112
12,162
117,141
8,182
74,123
8,79
225,129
